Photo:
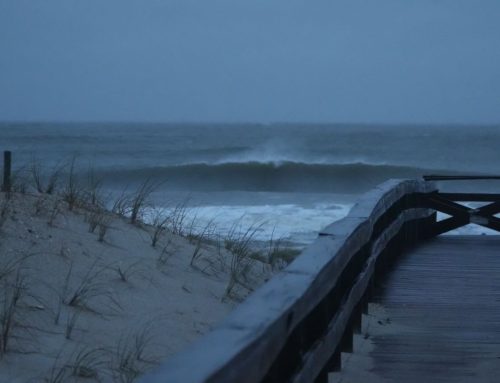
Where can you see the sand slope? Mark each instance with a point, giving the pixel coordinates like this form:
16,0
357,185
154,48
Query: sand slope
106,311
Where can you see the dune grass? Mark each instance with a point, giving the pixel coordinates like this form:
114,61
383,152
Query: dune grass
88,288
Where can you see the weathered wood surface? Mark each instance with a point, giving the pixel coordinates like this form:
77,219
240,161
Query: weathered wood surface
460,178
471,197
462,215
320,352
443,301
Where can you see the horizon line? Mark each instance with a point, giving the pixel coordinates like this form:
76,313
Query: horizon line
228,122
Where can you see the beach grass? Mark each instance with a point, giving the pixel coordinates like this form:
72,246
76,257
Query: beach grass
97,271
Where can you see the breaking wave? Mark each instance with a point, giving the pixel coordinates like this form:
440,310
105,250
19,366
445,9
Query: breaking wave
271,176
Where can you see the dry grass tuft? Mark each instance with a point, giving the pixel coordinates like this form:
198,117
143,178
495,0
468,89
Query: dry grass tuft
159,224
93,217
239,243
73,192
135,204
91,286
93,192
207,234
13,292
177,218
131,357
19,180
14,328
43,183
84,363
126,272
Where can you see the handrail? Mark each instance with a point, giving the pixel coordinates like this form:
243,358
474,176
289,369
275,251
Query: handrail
294,327
460,178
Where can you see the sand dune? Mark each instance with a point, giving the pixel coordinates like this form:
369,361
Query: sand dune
75,307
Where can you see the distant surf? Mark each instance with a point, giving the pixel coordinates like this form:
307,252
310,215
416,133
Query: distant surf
271,176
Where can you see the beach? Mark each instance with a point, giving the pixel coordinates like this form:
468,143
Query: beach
79,304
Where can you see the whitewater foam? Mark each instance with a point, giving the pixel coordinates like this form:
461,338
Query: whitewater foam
293,223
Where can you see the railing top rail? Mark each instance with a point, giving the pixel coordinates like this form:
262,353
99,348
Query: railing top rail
436,177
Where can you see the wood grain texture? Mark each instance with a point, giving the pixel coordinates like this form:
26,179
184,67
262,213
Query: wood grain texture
443,301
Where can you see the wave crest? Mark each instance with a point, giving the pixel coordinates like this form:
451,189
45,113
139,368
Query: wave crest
272,176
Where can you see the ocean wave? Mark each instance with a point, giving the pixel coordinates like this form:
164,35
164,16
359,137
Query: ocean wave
271,176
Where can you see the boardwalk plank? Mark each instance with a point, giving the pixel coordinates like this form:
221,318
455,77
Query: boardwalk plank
442,302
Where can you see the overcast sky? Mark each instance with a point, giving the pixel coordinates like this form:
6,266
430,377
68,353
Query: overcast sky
250,60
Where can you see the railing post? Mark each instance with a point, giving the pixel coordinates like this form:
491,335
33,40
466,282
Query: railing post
334,365
7,163
357,317
347,342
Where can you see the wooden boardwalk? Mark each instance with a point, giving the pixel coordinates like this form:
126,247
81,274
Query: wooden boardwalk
441,316
436,316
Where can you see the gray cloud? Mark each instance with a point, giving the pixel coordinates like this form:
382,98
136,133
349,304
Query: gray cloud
250,60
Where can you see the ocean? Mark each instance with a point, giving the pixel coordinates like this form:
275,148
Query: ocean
290,180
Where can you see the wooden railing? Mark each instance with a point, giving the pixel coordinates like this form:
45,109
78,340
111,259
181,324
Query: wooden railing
461,215
294,327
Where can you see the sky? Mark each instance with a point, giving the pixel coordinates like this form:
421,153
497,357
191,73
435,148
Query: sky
371,61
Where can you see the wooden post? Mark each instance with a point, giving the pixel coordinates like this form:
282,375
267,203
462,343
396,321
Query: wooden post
357,318
347,342
7,163
334,364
